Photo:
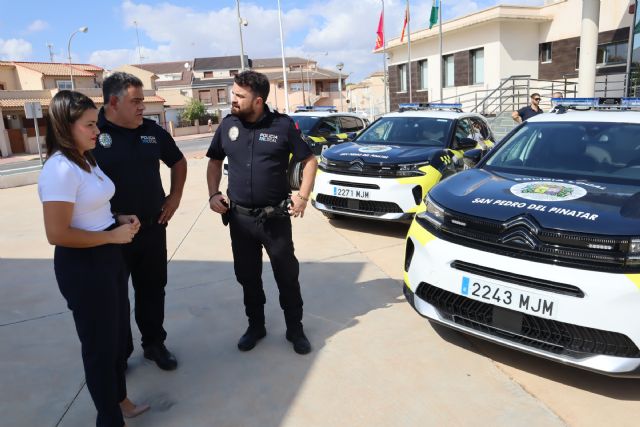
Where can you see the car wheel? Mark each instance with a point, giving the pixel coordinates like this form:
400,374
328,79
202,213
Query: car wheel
295,175
331,215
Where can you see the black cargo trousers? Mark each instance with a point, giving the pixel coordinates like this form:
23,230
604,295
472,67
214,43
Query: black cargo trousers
248,236
146,260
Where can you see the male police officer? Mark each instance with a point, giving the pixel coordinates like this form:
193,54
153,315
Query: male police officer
129,152
258,143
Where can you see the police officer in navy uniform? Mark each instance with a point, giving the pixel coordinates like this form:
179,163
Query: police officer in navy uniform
129,151
258,205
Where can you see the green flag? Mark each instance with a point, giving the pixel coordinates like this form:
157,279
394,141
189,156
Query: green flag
433,19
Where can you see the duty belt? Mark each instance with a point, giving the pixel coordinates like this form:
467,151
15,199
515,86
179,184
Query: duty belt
261,214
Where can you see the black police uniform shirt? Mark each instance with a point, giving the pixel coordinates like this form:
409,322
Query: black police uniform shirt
131,158
258,157
527,112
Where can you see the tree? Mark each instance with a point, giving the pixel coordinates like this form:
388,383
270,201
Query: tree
194,110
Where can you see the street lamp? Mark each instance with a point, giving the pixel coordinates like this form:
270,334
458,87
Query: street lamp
340,66
79,30
241,22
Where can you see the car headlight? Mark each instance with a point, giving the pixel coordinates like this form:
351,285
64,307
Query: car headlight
411,169
323,161
633,255
433,212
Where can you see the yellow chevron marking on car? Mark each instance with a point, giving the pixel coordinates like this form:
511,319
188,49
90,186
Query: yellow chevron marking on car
405,277
430,178
420,234
342,136
445,159
318,139
635,278
457,153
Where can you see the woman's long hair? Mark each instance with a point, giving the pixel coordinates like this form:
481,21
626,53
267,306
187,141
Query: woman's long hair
65,108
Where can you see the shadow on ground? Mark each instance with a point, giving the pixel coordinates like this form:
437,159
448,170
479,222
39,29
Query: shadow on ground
382,228
616,388
215,383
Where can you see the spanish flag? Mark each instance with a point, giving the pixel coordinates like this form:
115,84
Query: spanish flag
380,32
406,21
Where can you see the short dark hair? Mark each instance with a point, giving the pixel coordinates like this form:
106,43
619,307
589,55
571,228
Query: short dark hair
535,95
64,110
117,84
257,82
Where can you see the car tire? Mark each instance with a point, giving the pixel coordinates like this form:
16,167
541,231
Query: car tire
295,175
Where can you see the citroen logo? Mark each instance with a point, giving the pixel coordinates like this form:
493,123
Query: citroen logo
356,165
520,231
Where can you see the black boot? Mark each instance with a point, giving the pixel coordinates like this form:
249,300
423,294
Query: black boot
163,357
301,344
251,337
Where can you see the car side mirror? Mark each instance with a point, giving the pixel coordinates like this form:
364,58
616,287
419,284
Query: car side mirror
472,157
466,144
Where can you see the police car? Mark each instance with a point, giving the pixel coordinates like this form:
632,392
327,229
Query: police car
387,170
537,247
323,127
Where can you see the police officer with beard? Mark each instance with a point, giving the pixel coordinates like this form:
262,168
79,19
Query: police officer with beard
129,151
258,206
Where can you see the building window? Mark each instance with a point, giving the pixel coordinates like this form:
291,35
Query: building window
205,96
477,66
233,73
2,86
63,84
423,74
448,71
608,54
402,77
297,87
208,74
545,52
222,96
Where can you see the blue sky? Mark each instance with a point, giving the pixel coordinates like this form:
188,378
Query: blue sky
329,31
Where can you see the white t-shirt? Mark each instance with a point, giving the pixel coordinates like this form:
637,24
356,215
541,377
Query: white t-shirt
61,180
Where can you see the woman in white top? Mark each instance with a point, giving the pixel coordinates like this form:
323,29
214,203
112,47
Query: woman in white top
88,262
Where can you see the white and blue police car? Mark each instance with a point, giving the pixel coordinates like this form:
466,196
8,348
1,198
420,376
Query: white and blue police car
388,169
537,247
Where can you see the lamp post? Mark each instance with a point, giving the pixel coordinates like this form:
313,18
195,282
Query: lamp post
340,66
79,30
135,23
241,22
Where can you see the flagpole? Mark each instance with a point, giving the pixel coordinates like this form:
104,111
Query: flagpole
441,65
384,62
409,47
284,66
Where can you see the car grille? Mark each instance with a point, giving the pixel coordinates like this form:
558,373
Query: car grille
543,334
360,168
369,207
523,237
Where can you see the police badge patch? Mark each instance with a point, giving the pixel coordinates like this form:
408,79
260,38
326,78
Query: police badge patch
233,133
105,140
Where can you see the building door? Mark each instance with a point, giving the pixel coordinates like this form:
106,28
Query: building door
16,141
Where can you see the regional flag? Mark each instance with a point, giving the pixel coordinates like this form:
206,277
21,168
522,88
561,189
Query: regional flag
433,19
380,32
406,20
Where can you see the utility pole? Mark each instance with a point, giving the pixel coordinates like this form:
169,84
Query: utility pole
50,46
138,39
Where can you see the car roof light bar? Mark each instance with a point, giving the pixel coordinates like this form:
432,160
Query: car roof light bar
430,106
300,108
611,103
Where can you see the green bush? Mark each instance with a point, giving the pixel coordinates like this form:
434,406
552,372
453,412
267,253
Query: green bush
194,110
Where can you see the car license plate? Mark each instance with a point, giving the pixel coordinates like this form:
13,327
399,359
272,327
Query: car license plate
351,193
492,293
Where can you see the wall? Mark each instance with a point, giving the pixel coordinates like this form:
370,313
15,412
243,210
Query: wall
8,77
147,77
29,79
79,82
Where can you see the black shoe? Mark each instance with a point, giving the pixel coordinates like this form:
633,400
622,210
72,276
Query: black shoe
251,337
301,344
163,357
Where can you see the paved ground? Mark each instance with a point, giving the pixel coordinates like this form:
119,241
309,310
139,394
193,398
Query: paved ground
375,361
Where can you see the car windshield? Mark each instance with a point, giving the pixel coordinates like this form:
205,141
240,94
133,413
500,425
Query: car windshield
587,150
424,131
305,123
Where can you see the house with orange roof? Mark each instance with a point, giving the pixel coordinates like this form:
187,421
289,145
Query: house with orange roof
22,82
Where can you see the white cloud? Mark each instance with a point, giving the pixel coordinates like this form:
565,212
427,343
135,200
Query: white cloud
37,25
344,29
15,49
